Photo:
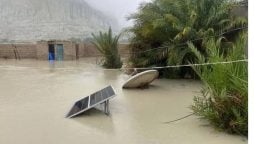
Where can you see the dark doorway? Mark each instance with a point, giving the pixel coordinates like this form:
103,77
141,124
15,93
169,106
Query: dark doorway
77,51
51,55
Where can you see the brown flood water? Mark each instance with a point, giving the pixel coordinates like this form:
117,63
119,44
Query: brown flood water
36,95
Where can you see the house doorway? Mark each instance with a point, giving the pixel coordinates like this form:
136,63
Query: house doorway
51,54
77,51
60,52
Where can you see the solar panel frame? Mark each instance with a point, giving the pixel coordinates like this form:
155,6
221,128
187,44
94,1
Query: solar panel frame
80,111
103,100
105,90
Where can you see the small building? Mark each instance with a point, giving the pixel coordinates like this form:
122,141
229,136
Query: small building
57,50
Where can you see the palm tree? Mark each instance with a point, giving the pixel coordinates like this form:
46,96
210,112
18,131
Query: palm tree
172,23
107,44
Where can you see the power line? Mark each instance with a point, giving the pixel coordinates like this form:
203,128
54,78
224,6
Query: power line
182,44
193,40
180,118
187,65
147,68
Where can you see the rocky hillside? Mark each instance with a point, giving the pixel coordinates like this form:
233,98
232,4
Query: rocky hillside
32,20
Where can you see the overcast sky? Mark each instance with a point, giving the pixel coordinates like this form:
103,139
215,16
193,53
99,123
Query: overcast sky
117,8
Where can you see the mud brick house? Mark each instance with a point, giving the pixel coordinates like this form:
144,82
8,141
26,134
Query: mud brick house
58,50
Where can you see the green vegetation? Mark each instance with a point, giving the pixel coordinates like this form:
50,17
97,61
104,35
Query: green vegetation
175,32
170,24
107,44
225,94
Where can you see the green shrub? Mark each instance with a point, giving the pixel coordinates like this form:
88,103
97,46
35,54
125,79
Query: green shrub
107,44
224,100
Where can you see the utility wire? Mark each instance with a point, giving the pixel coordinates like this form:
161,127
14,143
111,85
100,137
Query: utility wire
193,40
182,44
179,118
165,67
187,65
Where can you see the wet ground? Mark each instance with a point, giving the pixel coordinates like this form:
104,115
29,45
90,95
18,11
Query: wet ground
36,95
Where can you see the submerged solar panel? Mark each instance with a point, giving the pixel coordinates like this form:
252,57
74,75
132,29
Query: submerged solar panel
101,95
91,101
79,106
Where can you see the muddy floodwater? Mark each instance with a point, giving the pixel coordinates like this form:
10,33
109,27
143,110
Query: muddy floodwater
36,95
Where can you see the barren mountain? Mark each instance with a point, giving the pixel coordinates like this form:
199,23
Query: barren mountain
32,20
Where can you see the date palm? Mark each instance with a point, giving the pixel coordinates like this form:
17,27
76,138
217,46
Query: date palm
107,44
168,23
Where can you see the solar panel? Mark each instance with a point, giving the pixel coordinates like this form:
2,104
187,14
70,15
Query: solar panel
110,91
99,97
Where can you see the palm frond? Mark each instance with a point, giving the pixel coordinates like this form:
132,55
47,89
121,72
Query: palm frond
107,44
